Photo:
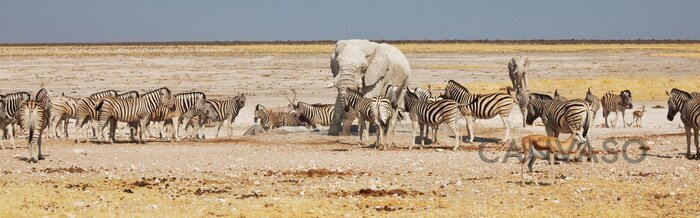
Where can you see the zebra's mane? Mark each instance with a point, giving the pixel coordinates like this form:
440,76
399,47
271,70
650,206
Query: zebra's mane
192,93
129,92
541,96
683,94
156,91
456,84
102,92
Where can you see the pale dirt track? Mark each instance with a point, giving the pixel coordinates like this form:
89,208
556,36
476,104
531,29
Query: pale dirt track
308,173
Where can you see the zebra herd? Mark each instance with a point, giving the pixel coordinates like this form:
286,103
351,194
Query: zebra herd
103,109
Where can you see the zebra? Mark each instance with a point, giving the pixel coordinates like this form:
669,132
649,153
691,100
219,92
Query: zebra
63,108
688,105
34,118
268,119
112,109
432,114
228,110
614,103
88,113
382,112
425,94
362,105
319,114
594,101
523,100
166,117
572,116
198,114
480,106
12,103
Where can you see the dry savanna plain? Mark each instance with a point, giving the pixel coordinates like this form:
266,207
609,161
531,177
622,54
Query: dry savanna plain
641,171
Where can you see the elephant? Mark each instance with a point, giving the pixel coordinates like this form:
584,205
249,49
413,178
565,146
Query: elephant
517,68
369,68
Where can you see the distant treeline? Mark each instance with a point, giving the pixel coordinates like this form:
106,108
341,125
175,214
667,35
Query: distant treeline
538,41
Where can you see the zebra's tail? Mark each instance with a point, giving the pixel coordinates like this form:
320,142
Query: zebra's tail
589,122
99,104
28,123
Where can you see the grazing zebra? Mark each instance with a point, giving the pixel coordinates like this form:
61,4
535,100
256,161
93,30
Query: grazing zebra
228,110
558,97
432,114
572,116
523,100
13,102
88,113
268,119
480,106
3,116
63,108
34,118
113,109
363,106
689,106
594,101
616,103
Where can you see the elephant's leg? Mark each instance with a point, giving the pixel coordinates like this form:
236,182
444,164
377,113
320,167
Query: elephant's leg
525,86
338,119
616,118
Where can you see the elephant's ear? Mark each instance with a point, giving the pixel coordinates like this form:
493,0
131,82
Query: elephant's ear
527,62
377,67
511,65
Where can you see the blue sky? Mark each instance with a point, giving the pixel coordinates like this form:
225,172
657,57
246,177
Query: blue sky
33,21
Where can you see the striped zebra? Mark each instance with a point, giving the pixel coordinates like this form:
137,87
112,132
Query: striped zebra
594,101
3,116
363,106
13,102
480,106
88,114
432,114
523,100
34,118
112,110
268,119
382,112
63,108
169,118
425,94
199,114
616,103
688,105
312,114
228,110
572,116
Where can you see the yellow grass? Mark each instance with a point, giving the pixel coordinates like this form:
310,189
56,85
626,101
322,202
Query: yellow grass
675,50
642,88
457,67
103,197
